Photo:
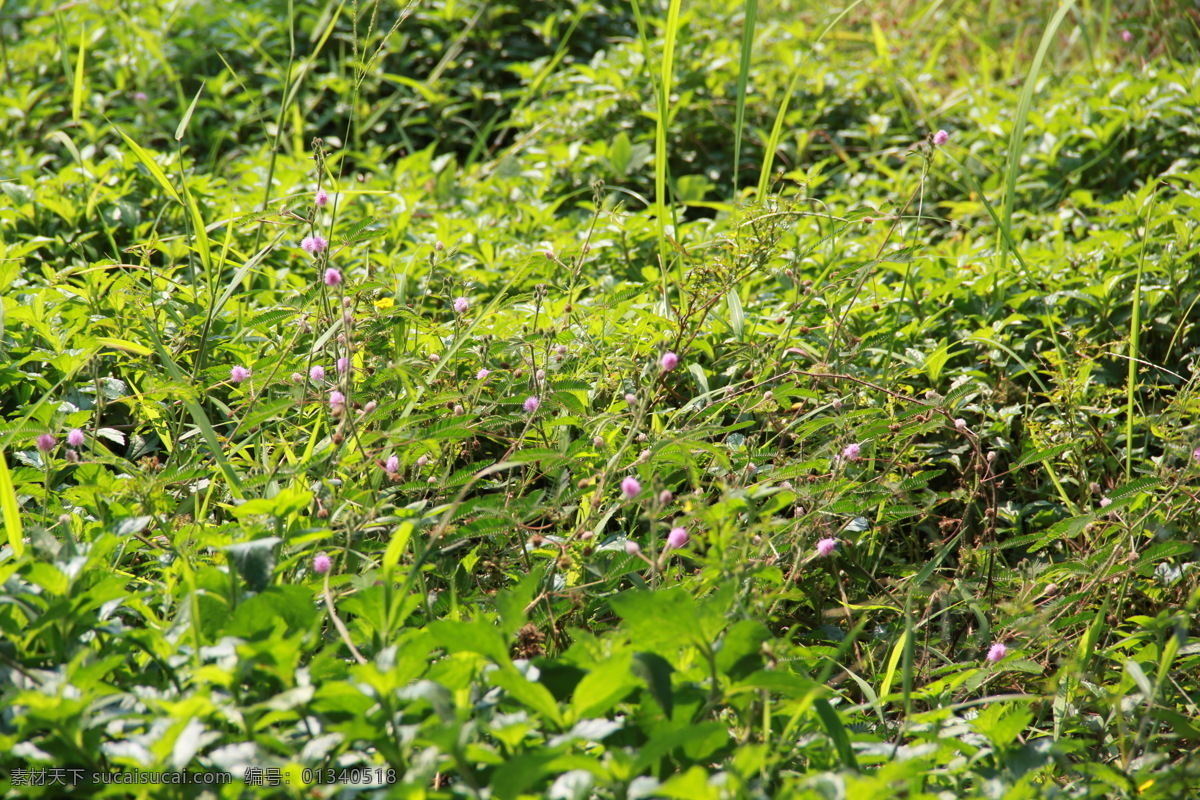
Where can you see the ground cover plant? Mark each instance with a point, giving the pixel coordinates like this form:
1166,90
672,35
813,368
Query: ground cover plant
580,399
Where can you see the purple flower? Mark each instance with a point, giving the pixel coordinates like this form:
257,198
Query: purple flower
940,138
853,452
322,563
677,538
317,373
630,487
332,276
482,374
337,402
825,547
140,97
668,362
45,443
239,374
75,438
423,460
392,465
1196,454
315,244
996,652
631,399
322,198
531,404
540,375
1105,502
343,364
632,547
665,496
461,305
961,425
1126,37
458,410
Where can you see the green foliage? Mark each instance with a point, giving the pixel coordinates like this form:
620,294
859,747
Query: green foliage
969,366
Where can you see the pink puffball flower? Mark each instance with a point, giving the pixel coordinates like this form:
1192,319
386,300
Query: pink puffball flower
337,402
531,404
239,374
1196,454
940,138
316,244
317,374
960,425
322,563
825,547
668,362
540,375
665,496
461,305
853,452
1126,37
630,487
482,374
423,460
631,399
45,443
75,438
632,548
332,277
343,364
322,198
996,652
677,538
392,465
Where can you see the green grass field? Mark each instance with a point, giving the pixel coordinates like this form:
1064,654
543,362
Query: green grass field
722,399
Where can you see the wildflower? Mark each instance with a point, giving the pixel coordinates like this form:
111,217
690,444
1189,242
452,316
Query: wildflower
1105,502
343,364
337,402
531,404
140,97
630,487
940,138
322,563
434,358
332,276
996,652
631,399
461,305
370,406
668,362
239,374
560,350
1196,454
297,377
825,547
315,244
633,548
1126,37
853,452
482,375
458,410
45,443
75,438
665,496
322,198
598,442
423,460
392,465
960,425
317,374
677,538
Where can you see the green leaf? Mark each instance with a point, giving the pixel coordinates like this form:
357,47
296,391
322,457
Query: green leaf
254,561
837,733
656,672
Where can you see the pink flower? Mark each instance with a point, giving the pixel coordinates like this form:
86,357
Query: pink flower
239,374
1126,37
317,373
940,138
392,465
337,402
314,244
370,407
45,443
322,198
996,652
668,362
1196,454
322,563
960,425
665,496
458,410
140,97
677,538
825,547
343,364
853,452
531,404
630,487
482,374
631,399
540,375
75,438
423,460
1105,502
332,276
632,547
461,305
